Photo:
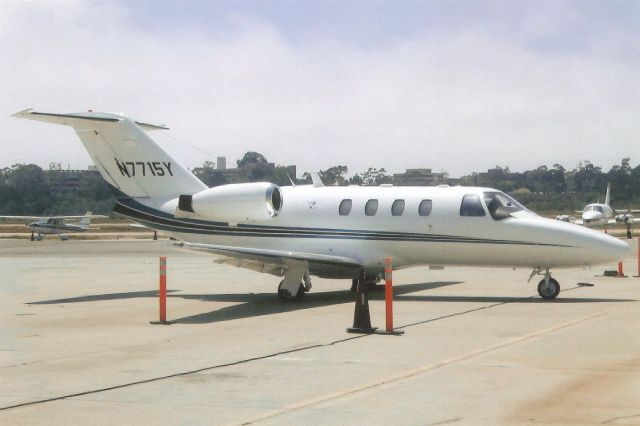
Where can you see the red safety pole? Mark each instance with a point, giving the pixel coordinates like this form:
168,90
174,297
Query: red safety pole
638,245
162,293
388,297
388,292
620,272
163,289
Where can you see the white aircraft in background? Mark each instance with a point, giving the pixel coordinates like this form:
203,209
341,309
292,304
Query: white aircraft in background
57,225
331,232
601,214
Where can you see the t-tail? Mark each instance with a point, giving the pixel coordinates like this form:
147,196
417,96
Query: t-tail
86,220
132,163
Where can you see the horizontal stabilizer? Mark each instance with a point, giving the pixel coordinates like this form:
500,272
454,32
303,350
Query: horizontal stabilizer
128,159
77,119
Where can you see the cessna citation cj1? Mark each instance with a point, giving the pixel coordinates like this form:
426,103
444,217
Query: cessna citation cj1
330,232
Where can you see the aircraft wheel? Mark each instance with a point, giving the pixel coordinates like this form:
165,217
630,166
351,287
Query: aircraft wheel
373,286
285,296
548,292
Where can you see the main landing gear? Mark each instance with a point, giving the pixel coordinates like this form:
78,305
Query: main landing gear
370,281
293,287
548,288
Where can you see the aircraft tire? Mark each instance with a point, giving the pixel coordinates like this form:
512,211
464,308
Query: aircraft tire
285,296
551,292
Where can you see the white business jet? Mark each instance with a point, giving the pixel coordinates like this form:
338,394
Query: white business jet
332,232
601,214
56,225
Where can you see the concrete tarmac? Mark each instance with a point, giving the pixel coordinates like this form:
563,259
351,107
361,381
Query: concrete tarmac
480,346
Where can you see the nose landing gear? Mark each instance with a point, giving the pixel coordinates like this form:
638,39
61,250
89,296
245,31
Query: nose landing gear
548,288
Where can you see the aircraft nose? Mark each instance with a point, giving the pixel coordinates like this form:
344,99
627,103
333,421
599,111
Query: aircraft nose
611,248
591,216
618,246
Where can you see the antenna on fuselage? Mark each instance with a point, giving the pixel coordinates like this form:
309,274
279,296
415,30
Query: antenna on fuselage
316,179
290,180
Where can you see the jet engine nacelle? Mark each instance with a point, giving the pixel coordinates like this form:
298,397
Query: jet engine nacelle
566,218
624,218
238,202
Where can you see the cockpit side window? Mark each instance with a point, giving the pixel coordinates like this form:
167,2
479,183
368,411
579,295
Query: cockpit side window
501,205
471,206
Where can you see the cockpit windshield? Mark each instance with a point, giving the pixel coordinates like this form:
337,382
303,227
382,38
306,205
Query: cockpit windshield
501,206
593,209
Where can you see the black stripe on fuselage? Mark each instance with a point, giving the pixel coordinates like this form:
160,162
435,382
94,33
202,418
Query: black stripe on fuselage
157,219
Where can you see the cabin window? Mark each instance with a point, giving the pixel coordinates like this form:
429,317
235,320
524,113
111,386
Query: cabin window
397,208
471,206
371,207
424,209
345,207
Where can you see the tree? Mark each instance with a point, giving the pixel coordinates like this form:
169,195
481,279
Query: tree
374,177
334,176
209,175
587,178
251,157
621,179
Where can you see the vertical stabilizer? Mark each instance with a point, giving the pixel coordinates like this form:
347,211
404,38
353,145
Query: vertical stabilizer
86,220
127,158
607,198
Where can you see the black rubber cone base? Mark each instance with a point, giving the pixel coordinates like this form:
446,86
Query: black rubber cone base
371,330
361,317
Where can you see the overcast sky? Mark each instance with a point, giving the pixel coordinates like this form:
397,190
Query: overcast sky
459,86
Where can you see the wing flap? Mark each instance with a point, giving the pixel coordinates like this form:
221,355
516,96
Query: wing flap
276,262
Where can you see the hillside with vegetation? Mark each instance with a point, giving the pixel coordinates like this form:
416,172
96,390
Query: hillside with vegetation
26,189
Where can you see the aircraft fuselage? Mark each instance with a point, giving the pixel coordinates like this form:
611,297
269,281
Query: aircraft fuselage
310,221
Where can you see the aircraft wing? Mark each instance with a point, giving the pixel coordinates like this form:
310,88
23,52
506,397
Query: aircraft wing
276,262
630,220
609,222
23,217
623,211
93,216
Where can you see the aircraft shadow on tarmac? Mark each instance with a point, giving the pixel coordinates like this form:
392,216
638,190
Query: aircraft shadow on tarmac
258,304
99,297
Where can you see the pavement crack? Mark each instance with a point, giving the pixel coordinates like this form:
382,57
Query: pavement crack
615,419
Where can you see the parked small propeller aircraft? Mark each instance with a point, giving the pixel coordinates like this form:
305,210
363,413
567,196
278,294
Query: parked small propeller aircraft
334,232
57,225
601,214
